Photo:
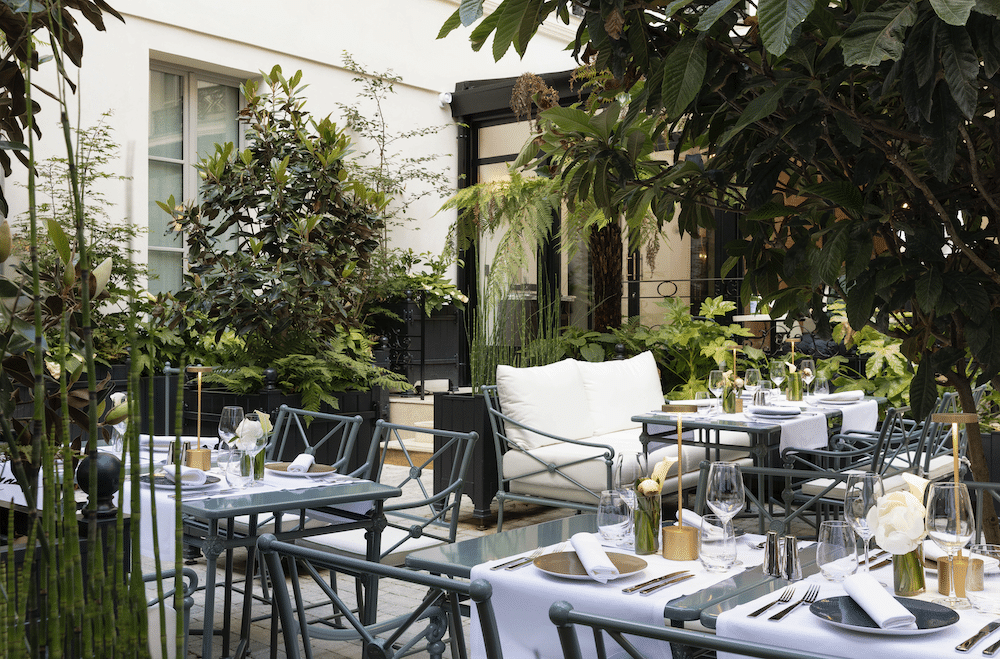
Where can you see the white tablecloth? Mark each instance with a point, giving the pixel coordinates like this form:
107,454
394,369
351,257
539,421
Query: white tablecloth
801,630
521,600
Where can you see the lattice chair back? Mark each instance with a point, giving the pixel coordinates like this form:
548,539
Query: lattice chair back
422,629
291,434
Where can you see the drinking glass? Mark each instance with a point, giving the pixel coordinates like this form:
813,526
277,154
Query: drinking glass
704,395
613,517
716,544
118,434
767,388
715,382
863,492
726,494
778,372
837,551
807,368
238,469
983,590
230,419
950,524
751,381
821,388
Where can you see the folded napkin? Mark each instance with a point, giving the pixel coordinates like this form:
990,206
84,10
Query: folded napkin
301,464
878,603
701,402
693,519
595,560
187,476
840,396
933,552
774,410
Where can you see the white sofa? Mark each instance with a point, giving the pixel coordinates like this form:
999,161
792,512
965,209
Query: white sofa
557,429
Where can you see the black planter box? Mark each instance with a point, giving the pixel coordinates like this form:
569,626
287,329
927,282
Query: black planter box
435,357
367,404
466,413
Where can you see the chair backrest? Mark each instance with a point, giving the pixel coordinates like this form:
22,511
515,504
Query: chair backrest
440,604
981,492
422,510
565,617
290,432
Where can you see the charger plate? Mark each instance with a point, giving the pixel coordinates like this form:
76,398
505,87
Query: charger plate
567,565
844,612
162,481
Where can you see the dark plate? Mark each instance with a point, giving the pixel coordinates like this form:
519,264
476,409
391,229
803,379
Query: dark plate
162,481
844,612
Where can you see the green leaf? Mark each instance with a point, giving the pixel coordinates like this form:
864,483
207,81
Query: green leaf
923,389
860,305
683,75
961,68
928,289
878,35
757,109
842,193
592,352
988,7
453,22
769,211
482,31
530,19
508,25
714,13
953,12
777,20
469,11
60,241
572,120
827,261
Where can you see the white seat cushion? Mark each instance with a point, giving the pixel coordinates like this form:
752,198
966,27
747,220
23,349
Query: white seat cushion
619,390
353,543
549,398
894,483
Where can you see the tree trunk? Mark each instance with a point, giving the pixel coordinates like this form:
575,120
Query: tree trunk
606,267
977,459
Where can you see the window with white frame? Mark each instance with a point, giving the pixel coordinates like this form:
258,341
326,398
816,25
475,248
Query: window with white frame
189,112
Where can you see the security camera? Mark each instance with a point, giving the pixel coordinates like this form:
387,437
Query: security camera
444,98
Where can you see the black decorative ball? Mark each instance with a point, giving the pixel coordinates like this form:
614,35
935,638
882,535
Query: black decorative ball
102,493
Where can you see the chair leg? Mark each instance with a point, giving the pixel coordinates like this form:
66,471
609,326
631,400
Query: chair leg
499,514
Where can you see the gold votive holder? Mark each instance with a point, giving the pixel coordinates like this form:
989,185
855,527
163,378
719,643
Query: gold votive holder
199,458
680,543
962,567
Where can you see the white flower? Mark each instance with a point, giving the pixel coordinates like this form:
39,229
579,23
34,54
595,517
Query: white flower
791,367
898,520
117,398
807,372
738,383
247,434
648,487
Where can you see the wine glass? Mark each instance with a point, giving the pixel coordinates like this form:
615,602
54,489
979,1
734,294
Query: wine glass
863,492
950,524
230,420
807,368
778,372
715,384
751,381
726,494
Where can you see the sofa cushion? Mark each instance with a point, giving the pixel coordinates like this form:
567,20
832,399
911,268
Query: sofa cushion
549,398
618,390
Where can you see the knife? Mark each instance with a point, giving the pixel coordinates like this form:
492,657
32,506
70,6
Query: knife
887,561
965,646
992,650
632,589
679,579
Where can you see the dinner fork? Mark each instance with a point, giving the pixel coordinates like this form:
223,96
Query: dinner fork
786,596
810,597
532,556
531,559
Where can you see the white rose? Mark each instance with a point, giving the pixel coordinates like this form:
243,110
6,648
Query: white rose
117,398
898,520
648,487
247,434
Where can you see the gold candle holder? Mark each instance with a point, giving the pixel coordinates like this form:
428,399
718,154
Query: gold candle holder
680,543
963,564
199,458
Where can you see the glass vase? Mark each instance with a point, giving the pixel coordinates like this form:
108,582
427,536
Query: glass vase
908,573
258,466
794,390
729,400
647,524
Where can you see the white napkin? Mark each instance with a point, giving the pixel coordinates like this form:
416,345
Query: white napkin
693,519
595,560
934,553
188,475
774,410
301,464
701,402
878,603
855,394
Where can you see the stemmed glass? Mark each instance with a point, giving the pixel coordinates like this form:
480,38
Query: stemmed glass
751,381
230,420
715,384
950,524
726,494
863,492
629,467
778,372
807,368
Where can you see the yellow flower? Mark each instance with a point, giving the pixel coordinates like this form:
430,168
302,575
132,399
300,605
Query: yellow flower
648,487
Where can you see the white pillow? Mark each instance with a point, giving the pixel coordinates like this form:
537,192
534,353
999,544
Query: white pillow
618,390
548,398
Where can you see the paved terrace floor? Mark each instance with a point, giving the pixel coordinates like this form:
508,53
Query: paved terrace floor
394,597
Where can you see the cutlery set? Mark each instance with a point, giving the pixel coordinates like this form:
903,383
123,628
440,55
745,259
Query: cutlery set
525,561
647,587
967,645
786,596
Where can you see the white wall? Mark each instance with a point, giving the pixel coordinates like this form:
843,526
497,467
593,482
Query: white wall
241,37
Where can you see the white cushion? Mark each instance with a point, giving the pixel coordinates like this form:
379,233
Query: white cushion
839,491
549,398
618,390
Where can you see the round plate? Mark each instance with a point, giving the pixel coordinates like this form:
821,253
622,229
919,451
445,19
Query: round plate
281,468
839,401
162,481
566,564
845,612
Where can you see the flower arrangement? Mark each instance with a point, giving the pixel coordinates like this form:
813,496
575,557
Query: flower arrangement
794,390
647,507
898,521
251,434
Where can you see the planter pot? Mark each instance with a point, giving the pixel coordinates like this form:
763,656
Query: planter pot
367,404
434,338
466,413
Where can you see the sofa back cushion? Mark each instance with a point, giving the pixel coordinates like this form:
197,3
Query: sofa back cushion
549,398
618,390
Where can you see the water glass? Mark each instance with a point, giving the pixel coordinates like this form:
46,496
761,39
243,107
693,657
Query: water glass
238,469
983,590
614,517
837,552
229,421
767,390
821,387
716,544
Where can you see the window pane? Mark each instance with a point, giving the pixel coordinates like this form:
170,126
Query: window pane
164,180
167,267
217,108
166,115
